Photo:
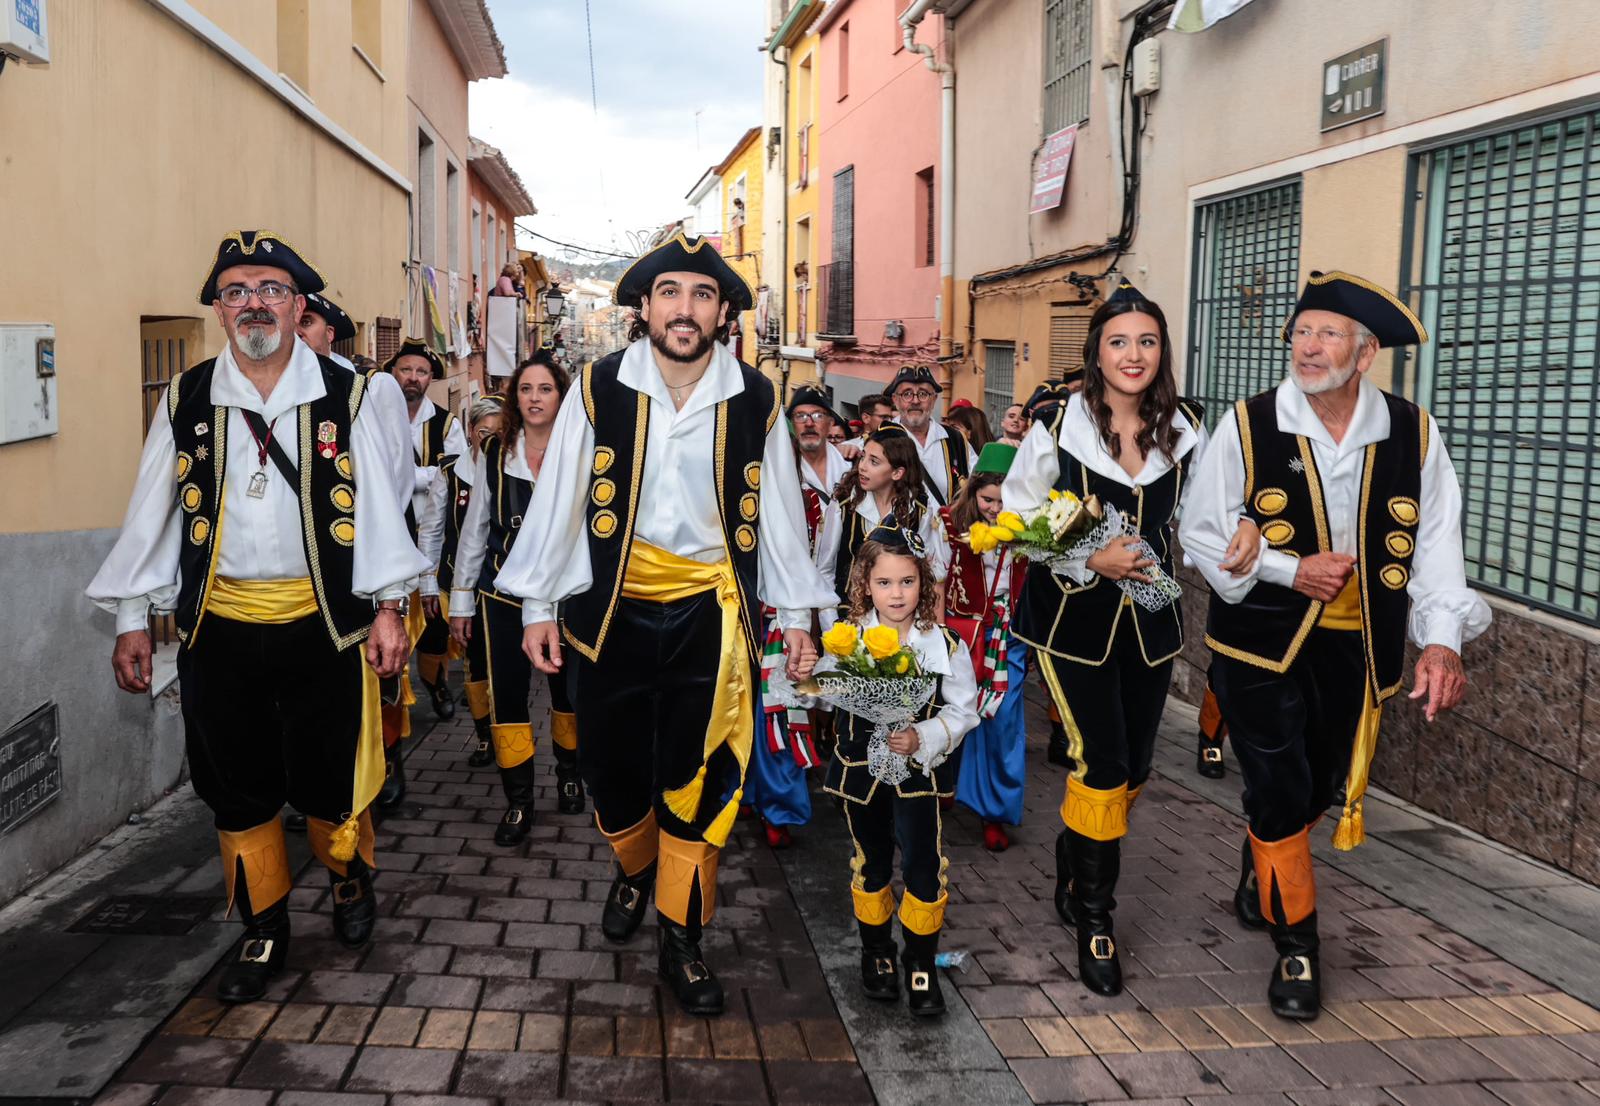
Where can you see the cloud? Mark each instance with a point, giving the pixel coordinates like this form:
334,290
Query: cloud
598,178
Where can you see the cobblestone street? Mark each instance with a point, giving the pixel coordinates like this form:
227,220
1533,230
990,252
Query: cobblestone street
490,979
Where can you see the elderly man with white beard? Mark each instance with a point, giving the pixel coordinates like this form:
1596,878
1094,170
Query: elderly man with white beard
1359,511
263,516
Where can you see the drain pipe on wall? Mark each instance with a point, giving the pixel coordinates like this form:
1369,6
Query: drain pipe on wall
909,20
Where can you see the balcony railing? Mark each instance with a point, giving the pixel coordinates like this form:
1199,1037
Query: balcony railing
836,299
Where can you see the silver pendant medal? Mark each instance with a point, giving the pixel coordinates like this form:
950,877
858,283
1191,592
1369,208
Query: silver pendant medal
258,485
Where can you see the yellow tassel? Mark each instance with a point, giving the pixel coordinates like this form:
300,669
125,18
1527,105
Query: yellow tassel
685,801
1352,828
343,845
722,825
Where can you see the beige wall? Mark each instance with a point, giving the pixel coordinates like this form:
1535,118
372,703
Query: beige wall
437,88
120,177
1238,106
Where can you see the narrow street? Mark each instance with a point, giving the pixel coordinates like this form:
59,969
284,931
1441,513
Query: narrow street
1458,974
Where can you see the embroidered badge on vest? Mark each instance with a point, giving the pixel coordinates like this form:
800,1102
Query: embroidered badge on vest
327,439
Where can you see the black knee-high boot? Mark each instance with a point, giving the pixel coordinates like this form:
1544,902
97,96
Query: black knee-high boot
518,818
1095,867
393,791
1295,990
1247,896
1064,879
878,976
266,947
483,755
923,997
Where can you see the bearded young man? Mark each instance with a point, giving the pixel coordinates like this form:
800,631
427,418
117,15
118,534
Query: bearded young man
1359,511
667,512
263,517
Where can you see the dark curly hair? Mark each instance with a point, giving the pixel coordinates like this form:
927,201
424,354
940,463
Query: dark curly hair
1158,405
858,593
511,425
910,492
964,509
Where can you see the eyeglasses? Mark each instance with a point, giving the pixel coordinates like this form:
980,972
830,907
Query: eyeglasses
271,293
922,394
810,416
1327,335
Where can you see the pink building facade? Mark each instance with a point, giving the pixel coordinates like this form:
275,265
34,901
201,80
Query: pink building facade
878,284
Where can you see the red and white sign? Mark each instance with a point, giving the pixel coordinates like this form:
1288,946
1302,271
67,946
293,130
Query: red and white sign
1050,170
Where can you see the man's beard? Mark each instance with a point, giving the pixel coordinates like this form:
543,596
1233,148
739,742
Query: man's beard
1337,378
813,444
413,391
659,339
256,343
913,421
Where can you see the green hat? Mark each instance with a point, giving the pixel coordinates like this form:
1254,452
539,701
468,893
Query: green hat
996,457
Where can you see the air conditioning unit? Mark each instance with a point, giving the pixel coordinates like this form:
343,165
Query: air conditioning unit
24,31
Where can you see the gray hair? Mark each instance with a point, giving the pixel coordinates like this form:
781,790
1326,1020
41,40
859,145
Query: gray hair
1362,334
483,407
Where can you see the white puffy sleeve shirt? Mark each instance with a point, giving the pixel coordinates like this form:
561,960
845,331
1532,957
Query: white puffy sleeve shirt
260,539
677,507
1444,610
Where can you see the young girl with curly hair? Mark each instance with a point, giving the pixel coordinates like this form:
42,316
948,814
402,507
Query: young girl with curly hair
891,593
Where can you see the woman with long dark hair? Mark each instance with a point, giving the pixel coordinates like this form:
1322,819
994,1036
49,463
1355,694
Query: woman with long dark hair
1104,636
503,479
887,486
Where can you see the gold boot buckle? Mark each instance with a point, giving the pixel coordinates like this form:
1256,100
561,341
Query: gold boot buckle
1295,969
1102,947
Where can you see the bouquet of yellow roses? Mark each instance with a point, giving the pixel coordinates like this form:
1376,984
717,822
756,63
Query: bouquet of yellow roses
1049,536
872,674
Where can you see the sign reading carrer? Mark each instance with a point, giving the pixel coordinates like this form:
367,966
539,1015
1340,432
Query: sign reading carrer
1352,85
30,766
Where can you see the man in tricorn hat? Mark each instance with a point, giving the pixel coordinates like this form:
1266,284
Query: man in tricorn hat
1359,511
436,441
262,516
668,511
822,465
945,455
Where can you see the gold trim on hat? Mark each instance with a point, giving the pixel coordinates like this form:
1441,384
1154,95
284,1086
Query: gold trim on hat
1359,282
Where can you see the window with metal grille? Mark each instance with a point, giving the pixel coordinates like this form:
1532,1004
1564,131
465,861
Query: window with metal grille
925,218
1068,63
1246,273
1507,281
167,344
387,338
1069,330
836,288
999,379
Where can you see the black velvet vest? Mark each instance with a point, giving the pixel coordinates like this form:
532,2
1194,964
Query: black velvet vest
508,505
1080,623
954,444
455,512
327,494
433,434
848,776
621,420
1283,496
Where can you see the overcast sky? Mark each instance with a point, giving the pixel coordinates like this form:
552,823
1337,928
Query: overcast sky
595,179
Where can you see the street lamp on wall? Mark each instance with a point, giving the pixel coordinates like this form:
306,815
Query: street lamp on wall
553,300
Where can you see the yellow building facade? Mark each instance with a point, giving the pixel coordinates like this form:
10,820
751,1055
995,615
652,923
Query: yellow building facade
742,188
804,185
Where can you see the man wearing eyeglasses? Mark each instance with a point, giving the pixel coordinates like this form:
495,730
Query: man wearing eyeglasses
263,516
1359,512
946,456
822,465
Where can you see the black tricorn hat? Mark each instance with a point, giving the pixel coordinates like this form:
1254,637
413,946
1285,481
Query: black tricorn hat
911,374
1127,293
1047,397
260,247
897,539
344,328
1380,311
419,348
683,254
807,396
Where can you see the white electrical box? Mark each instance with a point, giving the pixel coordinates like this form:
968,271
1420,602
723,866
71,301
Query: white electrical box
1147,67
25,31
27,381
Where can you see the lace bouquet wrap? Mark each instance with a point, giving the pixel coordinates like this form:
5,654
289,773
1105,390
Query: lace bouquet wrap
1161,590
873,676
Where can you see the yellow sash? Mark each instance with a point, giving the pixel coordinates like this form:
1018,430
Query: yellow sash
657,576
275,602
1344,613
